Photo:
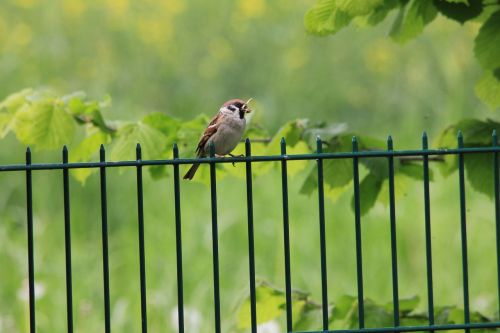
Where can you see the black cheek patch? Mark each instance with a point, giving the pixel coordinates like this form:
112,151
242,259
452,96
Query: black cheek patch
232,108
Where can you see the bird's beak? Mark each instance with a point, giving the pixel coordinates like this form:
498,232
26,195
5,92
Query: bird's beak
248,110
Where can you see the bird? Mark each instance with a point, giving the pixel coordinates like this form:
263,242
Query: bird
224,131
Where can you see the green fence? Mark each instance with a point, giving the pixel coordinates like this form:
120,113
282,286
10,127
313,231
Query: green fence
424,154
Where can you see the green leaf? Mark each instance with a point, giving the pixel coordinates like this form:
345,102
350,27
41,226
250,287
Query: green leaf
466,2
309,317
14,101
84,152
324,18
458,10
153,142
369,189
411,24
8,108
381,12
343,306
358,7
488,89
164,123
189,135
375,315
476,133
487,43
270,302
45,124
480,173
414,170
406,305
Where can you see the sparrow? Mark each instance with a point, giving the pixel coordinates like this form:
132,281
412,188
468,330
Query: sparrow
224,131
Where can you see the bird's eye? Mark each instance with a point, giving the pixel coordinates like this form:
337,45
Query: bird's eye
238,105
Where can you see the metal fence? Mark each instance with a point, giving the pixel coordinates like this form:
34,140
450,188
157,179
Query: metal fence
283,158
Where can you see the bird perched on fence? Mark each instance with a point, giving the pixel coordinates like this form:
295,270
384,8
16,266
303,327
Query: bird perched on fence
224,131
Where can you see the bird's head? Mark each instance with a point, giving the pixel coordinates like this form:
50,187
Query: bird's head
236,107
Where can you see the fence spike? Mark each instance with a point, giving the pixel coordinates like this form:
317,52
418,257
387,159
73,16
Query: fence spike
460,139
102,153
65,154
354,143
390,143
138,151
283,146
248,147
319,145
425,143
175,150
495,137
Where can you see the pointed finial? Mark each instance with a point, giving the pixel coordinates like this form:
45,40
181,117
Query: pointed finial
65,154
138,151
102,153
389,143
495,137
248,147
319,145
354,143
28,155
283,146
175,150
425,143
460,139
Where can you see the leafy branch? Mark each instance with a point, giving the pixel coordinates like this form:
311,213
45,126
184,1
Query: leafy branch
47,122
327,17
343,313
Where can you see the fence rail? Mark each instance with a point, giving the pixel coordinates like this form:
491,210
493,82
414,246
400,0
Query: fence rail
319,156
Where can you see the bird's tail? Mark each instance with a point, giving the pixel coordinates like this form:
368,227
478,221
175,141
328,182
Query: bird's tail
192,170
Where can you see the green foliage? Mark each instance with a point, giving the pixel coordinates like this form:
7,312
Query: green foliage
411,24
478,166
48,122
327,17
344,311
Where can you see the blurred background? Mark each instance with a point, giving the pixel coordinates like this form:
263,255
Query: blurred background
184,58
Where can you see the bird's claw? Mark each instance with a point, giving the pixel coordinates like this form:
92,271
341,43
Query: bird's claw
240,155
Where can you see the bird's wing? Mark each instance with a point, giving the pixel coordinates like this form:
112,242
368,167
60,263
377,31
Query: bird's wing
211,129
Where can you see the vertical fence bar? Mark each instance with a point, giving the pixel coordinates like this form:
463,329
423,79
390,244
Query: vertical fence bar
321,203
178,242
142,260
394,251
215,241
463,228
31,265
105,261
357,217
67,243
286,238
496,187
428,239
251,251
